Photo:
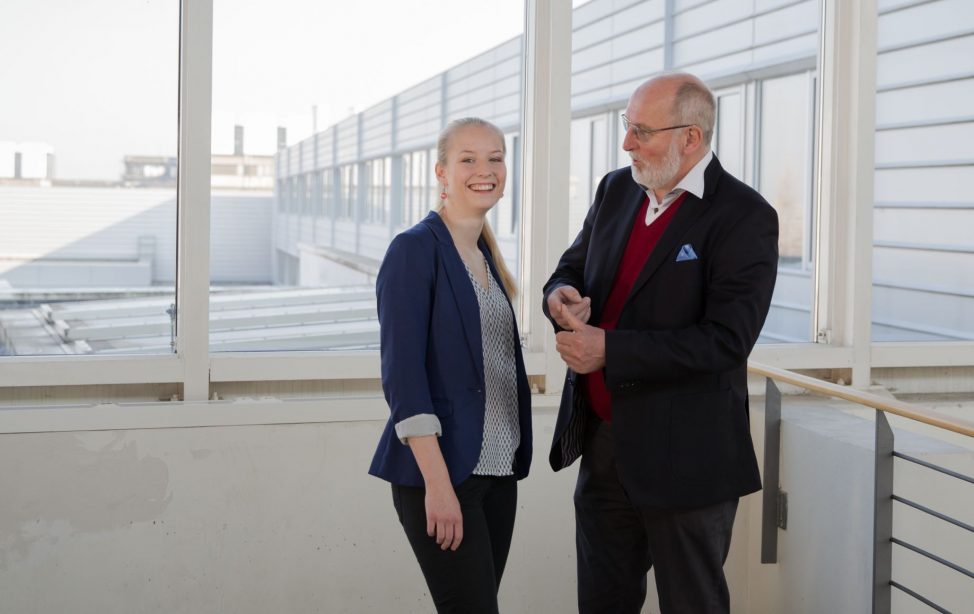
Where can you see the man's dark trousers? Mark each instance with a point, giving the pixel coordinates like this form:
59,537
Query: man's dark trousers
618,542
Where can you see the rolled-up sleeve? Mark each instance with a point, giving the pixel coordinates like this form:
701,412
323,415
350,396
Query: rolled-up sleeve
418,426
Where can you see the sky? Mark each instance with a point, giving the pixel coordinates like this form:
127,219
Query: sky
98,80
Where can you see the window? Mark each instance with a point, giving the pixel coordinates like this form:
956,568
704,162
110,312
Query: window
88,138
350,129
729,133
771,120
784,178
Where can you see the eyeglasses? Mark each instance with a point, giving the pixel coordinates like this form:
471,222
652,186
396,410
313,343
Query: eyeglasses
643,133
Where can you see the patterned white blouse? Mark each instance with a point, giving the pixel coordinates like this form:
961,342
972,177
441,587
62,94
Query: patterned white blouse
502,432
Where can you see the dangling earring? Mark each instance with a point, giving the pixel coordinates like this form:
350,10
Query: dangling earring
443,193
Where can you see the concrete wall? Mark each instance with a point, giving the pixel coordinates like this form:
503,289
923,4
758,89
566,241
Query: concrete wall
265,506
249,518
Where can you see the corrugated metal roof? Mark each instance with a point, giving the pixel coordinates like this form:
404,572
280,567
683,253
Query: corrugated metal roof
284,319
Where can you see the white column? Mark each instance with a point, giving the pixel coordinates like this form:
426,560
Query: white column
843,274
193,265
546,141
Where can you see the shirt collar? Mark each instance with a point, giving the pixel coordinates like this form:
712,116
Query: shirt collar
692,182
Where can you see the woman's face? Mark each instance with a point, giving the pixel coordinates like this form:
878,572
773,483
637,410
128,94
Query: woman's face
475,173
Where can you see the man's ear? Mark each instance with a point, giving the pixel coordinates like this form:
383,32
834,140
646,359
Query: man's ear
694,138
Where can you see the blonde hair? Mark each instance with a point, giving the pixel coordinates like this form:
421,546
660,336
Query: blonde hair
487,235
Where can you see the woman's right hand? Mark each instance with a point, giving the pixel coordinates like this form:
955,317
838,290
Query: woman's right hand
443,518
444,521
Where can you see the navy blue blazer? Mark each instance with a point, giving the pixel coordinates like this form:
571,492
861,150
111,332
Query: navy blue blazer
432,354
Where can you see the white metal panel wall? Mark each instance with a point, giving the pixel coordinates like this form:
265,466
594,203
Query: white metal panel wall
614,44
487,86
345,236
419,115
107,223
377,130
347,135
294,160
924,254
307,154
240,238
89,223
375,239
728,36
326,144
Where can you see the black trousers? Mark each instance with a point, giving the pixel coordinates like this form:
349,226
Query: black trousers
617,543
465,580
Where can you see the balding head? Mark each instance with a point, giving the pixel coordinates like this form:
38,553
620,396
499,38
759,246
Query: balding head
690,100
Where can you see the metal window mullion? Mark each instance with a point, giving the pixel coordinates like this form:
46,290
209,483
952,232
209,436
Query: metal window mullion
193,196
844,192
546,125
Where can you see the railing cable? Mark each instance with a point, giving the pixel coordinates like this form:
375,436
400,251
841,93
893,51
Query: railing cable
933,513
919,597
933,557
953,474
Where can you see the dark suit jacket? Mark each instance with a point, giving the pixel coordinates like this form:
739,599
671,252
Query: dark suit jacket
432,354
676,362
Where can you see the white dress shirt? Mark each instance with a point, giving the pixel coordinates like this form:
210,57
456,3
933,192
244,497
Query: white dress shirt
692,183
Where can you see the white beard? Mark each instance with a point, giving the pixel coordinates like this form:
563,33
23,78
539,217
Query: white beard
654,177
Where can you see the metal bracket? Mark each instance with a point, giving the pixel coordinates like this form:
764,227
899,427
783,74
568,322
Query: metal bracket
171,312
771,517
782,509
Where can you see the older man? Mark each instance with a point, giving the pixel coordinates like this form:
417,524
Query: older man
656,306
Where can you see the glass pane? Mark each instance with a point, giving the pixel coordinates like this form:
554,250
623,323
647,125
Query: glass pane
344,109
784,179
764,128
923,213
88,138
729,133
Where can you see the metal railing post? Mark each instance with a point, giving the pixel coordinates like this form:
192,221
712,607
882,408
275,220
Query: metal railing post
772,450
883,516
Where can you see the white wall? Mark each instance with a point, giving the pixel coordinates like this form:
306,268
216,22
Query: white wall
265,506
250,518
92,224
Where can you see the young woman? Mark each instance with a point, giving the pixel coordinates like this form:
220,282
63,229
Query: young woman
459,436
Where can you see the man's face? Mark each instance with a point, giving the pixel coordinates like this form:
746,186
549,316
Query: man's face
656,158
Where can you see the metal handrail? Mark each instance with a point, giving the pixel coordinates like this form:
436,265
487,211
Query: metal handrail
774,513
875,401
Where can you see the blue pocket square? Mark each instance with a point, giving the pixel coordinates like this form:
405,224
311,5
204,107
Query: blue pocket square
686,253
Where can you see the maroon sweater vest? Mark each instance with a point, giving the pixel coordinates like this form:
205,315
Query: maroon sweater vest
642,240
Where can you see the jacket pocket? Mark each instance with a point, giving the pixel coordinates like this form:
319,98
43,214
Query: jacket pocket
703,436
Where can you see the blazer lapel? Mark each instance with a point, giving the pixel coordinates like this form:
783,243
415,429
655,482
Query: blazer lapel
460,288
617,236
688,213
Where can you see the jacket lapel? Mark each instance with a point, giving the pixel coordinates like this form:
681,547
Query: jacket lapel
461,289
616,240
686,216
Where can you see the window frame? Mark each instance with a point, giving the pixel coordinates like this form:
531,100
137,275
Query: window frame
842,275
